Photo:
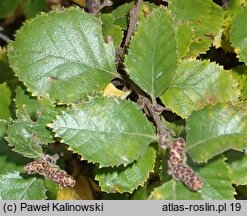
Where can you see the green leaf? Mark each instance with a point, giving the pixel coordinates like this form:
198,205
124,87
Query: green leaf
204,16
6,74
106,130
15,187
24,102
177,126
126,179
235,5
238,167
240,75
141,193
217,184
3,131
62,54
52,189
111,30
4,71
3,55
243,86
120,15
13,184
152,54
216,129
115,196
29,132
174,190
9,160
5,101
238,36
184,35
217,180
7,7
197,84
242,192
32,8
22,136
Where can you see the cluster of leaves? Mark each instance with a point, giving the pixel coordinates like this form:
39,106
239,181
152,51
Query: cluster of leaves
64,61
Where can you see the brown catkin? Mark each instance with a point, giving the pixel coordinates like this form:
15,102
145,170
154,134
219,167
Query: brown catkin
178,169
60,177
185,174
51,172
34,167
177,152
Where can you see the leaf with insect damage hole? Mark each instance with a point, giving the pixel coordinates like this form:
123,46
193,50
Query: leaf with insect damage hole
106,130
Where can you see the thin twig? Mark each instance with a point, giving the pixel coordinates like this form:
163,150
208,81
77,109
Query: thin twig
133,21
154,112
150,110
131,28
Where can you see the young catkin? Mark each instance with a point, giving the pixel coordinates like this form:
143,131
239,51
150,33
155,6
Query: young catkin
185,174
50,171
177,152
178,168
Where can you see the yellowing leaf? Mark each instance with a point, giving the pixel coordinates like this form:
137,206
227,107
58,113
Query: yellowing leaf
111,90
81,3
67,194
